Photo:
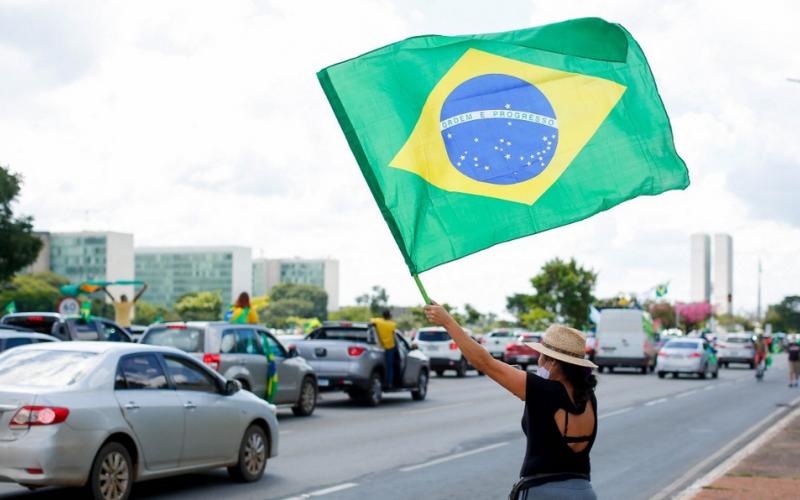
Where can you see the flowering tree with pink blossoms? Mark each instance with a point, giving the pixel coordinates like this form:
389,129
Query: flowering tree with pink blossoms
693,314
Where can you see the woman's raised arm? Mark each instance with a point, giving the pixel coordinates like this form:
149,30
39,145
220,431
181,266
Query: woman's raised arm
509,377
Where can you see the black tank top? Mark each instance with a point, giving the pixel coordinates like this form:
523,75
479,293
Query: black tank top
547,451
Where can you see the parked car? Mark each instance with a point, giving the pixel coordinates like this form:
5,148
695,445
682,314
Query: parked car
67,327
104,415
687,355
12,338
442,352
347,356
517,353
737,348
622,340
239,352
497,340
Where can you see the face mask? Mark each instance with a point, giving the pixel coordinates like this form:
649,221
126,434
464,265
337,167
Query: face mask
543,372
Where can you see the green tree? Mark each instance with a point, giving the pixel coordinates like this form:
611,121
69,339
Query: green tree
351,313
376,299
147,313
279,311
19,246
730,321
663,313
33,292
314,295
472,315
563,291
785,316
537,319
199,306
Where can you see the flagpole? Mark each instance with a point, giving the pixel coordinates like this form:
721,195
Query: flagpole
421,289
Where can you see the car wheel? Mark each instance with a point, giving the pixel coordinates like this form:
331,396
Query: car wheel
661,374
374,393
643,370
752,365
112,473
421,391
252,456
703,374
610,369
601,369
307,400
716,373
481,374
440,373
461,369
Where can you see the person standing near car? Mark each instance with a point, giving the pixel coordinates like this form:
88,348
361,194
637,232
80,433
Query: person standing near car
123,307
560,416
241,312
385,328
794,362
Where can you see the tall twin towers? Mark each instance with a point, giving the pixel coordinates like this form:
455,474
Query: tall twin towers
722,286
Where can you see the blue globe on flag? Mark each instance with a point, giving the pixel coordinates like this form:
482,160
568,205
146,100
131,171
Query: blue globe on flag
499,129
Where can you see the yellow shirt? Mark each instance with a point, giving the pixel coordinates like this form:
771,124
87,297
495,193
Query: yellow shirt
252,315
385,329
122,313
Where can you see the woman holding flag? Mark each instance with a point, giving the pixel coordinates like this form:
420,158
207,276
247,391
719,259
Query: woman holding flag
560,417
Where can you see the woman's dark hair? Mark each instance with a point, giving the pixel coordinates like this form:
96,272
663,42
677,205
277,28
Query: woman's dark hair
582,379
243,301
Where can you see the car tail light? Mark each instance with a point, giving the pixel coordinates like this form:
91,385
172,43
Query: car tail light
355,350
34,471
453,346
211,360
35,318
38,415
662,354
695,355
482,341
176,327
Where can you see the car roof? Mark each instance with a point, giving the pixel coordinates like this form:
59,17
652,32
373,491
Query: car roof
11,334
696,340
345,324
26,314
432,329
99,347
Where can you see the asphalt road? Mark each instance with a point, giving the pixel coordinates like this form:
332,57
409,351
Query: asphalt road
654,437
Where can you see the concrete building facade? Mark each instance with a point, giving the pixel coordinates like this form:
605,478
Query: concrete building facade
323,273
723,273
701,268
174,271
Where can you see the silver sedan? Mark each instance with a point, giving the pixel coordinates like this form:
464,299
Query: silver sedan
103,415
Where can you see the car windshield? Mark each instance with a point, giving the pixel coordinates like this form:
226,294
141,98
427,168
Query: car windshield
349,334
682,344
737,340
188,339
86,329
41,324
433,336
42,368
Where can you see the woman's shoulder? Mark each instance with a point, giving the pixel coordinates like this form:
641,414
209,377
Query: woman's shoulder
536,385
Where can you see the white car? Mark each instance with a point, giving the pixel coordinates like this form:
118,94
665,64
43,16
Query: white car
497,340
442,352
104,415
622,340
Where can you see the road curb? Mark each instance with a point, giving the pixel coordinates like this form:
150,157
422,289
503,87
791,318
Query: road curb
735,459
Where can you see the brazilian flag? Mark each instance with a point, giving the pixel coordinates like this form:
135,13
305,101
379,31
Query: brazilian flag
469,141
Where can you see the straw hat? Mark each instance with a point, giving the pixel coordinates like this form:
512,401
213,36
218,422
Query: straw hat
564,344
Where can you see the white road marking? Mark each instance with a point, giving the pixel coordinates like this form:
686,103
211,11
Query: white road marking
452,457
687,393
656,401
709,387
325,491
669,491
436,408
615,412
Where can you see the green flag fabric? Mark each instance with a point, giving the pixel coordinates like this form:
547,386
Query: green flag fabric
11,307
469,141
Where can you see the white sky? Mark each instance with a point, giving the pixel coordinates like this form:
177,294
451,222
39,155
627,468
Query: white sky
202,123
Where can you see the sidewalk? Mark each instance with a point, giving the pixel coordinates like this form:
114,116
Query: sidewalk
772,472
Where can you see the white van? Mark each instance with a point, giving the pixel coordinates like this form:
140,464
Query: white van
625,339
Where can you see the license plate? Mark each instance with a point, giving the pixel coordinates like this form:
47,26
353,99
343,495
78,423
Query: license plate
323,382
523,358
433,348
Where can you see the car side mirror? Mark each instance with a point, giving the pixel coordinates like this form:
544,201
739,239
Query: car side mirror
292,351
414,347
232,387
